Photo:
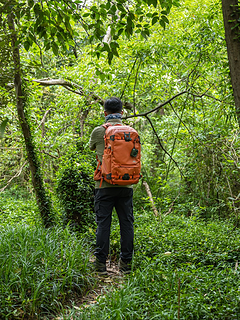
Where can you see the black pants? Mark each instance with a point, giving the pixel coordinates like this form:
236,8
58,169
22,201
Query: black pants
105,200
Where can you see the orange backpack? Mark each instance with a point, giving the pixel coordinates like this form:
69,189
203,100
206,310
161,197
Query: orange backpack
121,163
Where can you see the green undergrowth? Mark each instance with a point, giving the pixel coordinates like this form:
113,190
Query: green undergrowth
198,280
18,206
39,270
43,271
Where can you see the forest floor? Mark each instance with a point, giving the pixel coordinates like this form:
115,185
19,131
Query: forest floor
199,278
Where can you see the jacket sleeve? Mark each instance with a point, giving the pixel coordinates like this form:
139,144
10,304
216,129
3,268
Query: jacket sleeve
93,140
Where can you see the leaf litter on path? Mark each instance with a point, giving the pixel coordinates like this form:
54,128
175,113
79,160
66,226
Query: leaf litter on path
106,283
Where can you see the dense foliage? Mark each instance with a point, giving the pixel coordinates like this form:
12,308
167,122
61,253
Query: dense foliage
40,269
75,190
191,156
198,279
169,65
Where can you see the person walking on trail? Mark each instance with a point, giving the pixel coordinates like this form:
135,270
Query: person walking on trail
108,196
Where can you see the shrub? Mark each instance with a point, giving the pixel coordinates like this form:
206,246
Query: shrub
75,190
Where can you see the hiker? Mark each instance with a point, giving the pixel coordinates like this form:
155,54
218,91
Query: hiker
108,196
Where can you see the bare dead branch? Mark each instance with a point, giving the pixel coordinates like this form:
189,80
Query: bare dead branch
73,87
59,82
15,176
42,123
149,193
171,205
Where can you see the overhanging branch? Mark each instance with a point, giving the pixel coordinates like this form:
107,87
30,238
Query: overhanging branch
73,87
159,106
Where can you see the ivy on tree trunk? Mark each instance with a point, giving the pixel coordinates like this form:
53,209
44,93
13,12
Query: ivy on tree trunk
43,200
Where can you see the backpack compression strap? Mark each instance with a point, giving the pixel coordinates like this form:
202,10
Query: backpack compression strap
99,170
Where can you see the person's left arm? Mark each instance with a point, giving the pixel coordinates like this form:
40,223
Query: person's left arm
93,140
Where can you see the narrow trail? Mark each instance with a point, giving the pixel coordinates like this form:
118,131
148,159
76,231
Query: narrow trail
104,284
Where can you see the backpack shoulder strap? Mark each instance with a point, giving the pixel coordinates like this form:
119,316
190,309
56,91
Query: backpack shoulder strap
106,125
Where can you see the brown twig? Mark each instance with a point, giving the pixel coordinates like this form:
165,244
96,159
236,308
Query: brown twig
149,193
171,205
51,155
135,61
15,176
42,123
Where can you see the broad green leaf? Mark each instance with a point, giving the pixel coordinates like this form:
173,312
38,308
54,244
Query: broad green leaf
120,31
143,34
110,57
54,48
155,20
26,45
165,19
162,23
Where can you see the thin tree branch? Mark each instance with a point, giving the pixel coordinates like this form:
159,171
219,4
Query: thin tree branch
42,123
174,142
205,95
69,86
182,121
182,175
171,206
59,82
135,61
51,155
15,176
159,106
134,89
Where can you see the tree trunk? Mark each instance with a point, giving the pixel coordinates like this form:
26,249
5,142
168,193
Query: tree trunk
231,15
43,202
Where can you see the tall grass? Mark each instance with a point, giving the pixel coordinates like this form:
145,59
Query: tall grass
39,269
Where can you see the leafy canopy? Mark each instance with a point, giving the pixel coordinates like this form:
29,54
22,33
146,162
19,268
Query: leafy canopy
51,24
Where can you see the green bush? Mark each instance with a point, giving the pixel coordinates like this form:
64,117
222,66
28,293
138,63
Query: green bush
75,190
